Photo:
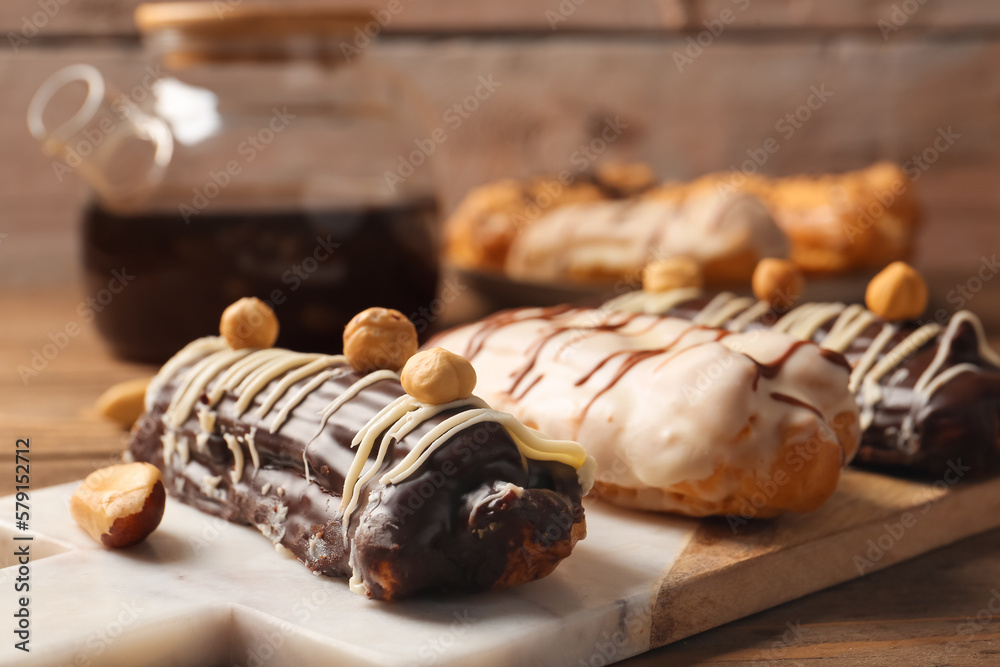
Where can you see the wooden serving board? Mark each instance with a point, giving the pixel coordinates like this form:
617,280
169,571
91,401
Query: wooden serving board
871,522
201,591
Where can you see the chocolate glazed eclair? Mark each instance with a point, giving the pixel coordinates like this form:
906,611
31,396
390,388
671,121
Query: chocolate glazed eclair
928,393
357,478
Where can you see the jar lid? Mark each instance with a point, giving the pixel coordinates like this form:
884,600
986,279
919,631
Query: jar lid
190,33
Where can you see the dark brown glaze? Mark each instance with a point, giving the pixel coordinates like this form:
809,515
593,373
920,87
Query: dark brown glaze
432,531
958,426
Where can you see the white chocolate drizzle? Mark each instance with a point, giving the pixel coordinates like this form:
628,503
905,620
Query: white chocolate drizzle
651,302
900,352
722,307
743,320
314,367
234,446
811,317
357,585
184,449
298,397
500,491
256,382
868,358
210,484
871,391
351,392
169,440
193,350
194,385
354,390
206,418
237,372
985,351
252,446
852,321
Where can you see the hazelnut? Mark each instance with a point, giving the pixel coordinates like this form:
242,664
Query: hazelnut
249,322
898,292
120,505
779,282
628,178
379,338
124,402
663,275
438,376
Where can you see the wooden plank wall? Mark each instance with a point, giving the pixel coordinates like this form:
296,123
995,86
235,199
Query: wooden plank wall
895,73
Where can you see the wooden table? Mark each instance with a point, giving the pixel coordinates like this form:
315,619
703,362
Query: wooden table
921,612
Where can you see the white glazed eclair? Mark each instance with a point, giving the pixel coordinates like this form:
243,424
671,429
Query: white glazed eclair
680,417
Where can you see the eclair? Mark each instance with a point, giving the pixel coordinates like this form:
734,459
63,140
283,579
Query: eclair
928,390
333,461
679,417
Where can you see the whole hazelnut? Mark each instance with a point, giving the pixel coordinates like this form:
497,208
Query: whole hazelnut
898,292
379,338
438,376
124,402
628,178
120,505
249,322
663,275
779,282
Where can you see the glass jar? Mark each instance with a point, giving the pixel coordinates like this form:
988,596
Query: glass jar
258,157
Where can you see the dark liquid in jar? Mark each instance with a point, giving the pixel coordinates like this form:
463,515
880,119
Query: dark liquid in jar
316,269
